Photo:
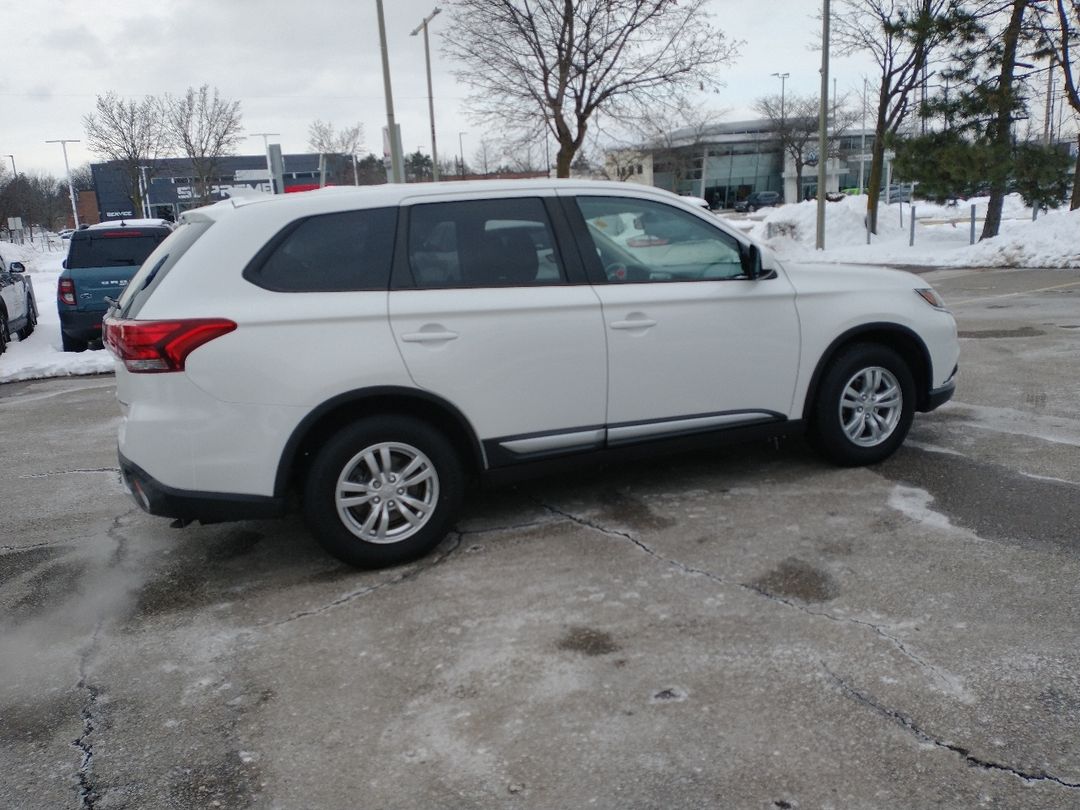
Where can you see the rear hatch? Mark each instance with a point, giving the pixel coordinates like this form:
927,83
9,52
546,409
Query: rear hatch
101,262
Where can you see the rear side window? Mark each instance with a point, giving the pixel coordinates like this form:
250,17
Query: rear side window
483,243
346,251
123,247
157,266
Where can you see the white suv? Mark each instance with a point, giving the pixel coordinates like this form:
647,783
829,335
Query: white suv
371,348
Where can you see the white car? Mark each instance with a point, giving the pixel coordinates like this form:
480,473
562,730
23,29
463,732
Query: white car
371,348
18,306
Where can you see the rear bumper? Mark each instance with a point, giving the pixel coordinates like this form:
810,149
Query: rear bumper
189,505
81,325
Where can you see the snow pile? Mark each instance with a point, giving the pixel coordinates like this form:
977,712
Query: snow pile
845,224
41,354
1051,241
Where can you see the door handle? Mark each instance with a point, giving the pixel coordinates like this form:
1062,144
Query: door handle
429,337
634,323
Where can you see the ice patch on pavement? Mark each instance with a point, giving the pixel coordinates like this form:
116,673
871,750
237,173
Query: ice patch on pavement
1054,429
915,504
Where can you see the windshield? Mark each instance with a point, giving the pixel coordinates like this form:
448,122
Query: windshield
119,248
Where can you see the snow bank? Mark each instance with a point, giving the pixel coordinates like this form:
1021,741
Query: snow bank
1053,240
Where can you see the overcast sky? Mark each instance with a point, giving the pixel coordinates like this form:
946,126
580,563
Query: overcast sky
290,62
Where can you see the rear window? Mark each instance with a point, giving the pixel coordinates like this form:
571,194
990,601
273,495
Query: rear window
158,264
346,251
122,247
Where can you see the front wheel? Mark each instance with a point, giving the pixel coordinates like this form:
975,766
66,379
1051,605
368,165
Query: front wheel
865,405
383,491
4,336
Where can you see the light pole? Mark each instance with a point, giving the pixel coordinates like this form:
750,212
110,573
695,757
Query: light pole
266,151
823,126
395,147
783,78
862,147
430,100
71,187
461,152
14,171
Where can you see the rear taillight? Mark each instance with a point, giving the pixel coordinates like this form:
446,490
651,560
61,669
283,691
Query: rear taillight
148,347
66,292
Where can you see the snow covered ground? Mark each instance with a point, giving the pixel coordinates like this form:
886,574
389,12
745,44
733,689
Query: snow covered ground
941,240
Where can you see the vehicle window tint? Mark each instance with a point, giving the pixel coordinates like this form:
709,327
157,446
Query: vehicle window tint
640,240
113,248
158,265
350,250
483,243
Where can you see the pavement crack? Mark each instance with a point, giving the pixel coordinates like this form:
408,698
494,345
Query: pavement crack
77,471
426,564
907,723
756,589
88,794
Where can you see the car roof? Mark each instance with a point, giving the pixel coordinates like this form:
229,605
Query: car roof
341,198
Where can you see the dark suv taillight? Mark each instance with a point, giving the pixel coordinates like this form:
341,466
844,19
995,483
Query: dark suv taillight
148,347
65,291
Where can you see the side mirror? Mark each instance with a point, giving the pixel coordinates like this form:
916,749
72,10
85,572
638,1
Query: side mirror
16,267
751,261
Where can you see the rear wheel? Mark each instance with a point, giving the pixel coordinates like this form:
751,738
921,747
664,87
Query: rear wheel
865,405
4,336
383,491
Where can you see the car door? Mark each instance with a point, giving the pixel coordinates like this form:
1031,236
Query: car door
490,314
11,292
693,343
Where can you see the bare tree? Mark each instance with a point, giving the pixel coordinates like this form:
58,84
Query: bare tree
901,36
132,133
204,127
795,121
326,140
486,153
562,61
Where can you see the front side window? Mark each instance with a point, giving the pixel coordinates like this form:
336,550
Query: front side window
482,243
641,240
346,251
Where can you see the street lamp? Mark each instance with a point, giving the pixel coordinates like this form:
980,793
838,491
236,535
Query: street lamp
461,152
14,171
266,151
431,103
783,78
71,186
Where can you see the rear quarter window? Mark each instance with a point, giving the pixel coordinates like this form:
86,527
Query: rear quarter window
340,252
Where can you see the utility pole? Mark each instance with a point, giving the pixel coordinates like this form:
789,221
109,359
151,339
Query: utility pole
862,147
461,152
823,126
430,99
71,186
391,127
266,151
783,137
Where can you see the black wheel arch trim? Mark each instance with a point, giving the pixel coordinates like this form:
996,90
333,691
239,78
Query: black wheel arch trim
291,451
922,392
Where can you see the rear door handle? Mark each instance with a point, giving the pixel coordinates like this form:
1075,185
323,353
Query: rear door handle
429,337
637,323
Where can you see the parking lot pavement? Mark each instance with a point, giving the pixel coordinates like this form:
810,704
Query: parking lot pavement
742,628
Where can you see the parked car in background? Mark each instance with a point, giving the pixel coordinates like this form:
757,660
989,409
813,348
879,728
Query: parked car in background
371,349
101,260
895,193
66,233
759,199
18,307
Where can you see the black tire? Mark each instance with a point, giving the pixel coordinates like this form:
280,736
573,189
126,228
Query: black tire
856,419
4,336
71,344
31,320
355,455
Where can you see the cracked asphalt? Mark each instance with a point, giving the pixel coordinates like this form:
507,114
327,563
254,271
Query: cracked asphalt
748,628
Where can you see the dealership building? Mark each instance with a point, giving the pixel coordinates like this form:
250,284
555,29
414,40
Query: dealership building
171,185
